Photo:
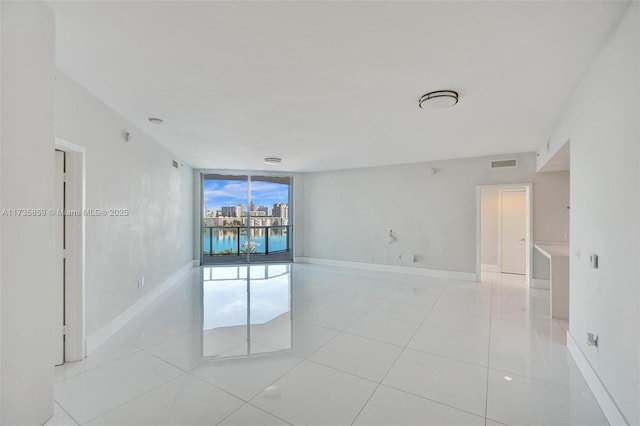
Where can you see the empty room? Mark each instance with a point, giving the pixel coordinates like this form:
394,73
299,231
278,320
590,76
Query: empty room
320,213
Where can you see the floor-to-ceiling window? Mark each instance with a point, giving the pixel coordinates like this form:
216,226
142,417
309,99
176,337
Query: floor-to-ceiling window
246,218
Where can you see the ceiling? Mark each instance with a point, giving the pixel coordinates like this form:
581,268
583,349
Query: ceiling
331,85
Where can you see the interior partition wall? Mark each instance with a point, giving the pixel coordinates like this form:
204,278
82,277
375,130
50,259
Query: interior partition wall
245,218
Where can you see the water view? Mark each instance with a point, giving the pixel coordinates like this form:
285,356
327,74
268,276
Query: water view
225,241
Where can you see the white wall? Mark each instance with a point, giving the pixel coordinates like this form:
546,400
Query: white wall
602,123
155,240
555,230
27,170
349,213
1,220
299,215
489,228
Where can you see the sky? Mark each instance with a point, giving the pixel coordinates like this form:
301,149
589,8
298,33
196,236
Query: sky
218,193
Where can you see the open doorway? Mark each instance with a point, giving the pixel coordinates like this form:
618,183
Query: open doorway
504,238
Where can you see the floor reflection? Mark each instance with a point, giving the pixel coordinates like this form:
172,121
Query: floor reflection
246,310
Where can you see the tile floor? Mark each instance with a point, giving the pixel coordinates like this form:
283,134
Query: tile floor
312,345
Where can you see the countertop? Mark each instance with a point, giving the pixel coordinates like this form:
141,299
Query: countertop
553,249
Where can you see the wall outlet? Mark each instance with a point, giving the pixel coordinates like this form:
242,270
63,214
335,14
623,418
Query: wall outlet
593,261
399,256
141,282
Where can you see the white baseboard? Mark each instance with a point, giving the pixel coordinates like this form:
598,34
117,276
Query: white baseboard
109,329
607,404
456,275
542,284
487,267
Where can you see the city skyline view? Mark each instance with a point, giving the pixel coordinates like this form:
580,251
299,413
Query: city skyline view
218,193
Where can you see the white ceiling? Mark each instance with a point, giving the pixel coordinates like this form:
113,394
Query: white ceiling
330,85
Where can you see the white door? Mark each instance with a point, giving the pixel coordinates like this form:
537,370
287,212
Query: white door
513,208
58,299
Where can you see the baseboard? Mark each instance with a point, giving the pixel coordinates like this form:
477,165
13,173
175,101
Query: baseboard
456,275
109,329
542,284
607,404
487,267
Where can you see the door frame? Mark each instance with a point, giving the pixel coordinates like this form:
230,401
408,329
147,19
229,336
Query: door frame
528,187
74,298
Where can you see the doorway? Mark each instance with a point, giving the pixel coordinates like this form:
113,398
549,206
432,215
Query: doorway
504,238
246,218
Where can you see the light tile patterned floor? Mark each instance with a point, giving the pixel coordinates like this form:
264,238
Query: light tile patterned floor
344,347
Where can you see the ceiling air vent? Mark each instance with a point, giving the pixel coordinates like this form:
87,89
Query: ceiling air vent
498,164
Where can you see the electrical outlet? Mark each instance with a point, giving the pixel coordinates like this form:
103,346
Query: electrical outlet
141,282
593,261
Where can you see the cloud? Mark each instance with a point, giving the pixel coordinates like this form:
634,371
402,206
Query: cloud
218,193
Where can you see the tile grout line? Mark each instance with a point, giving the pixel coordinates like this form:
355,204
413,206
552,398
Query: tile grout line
433,401
131,399
398,357
301,360
101,365
496,294
486,395
245,403
68,414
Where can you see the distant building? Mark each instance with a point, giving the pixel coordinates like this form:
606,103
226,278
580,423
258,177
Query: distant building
280,210
264,209
208,212
233,211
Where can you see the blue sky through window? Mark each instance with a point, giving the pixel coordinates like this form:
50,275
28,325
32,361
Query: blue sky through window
218,193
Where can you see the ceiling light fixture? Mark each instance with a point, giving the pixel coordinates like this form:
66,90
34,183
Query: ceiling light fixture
438,99
272,160
155,120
